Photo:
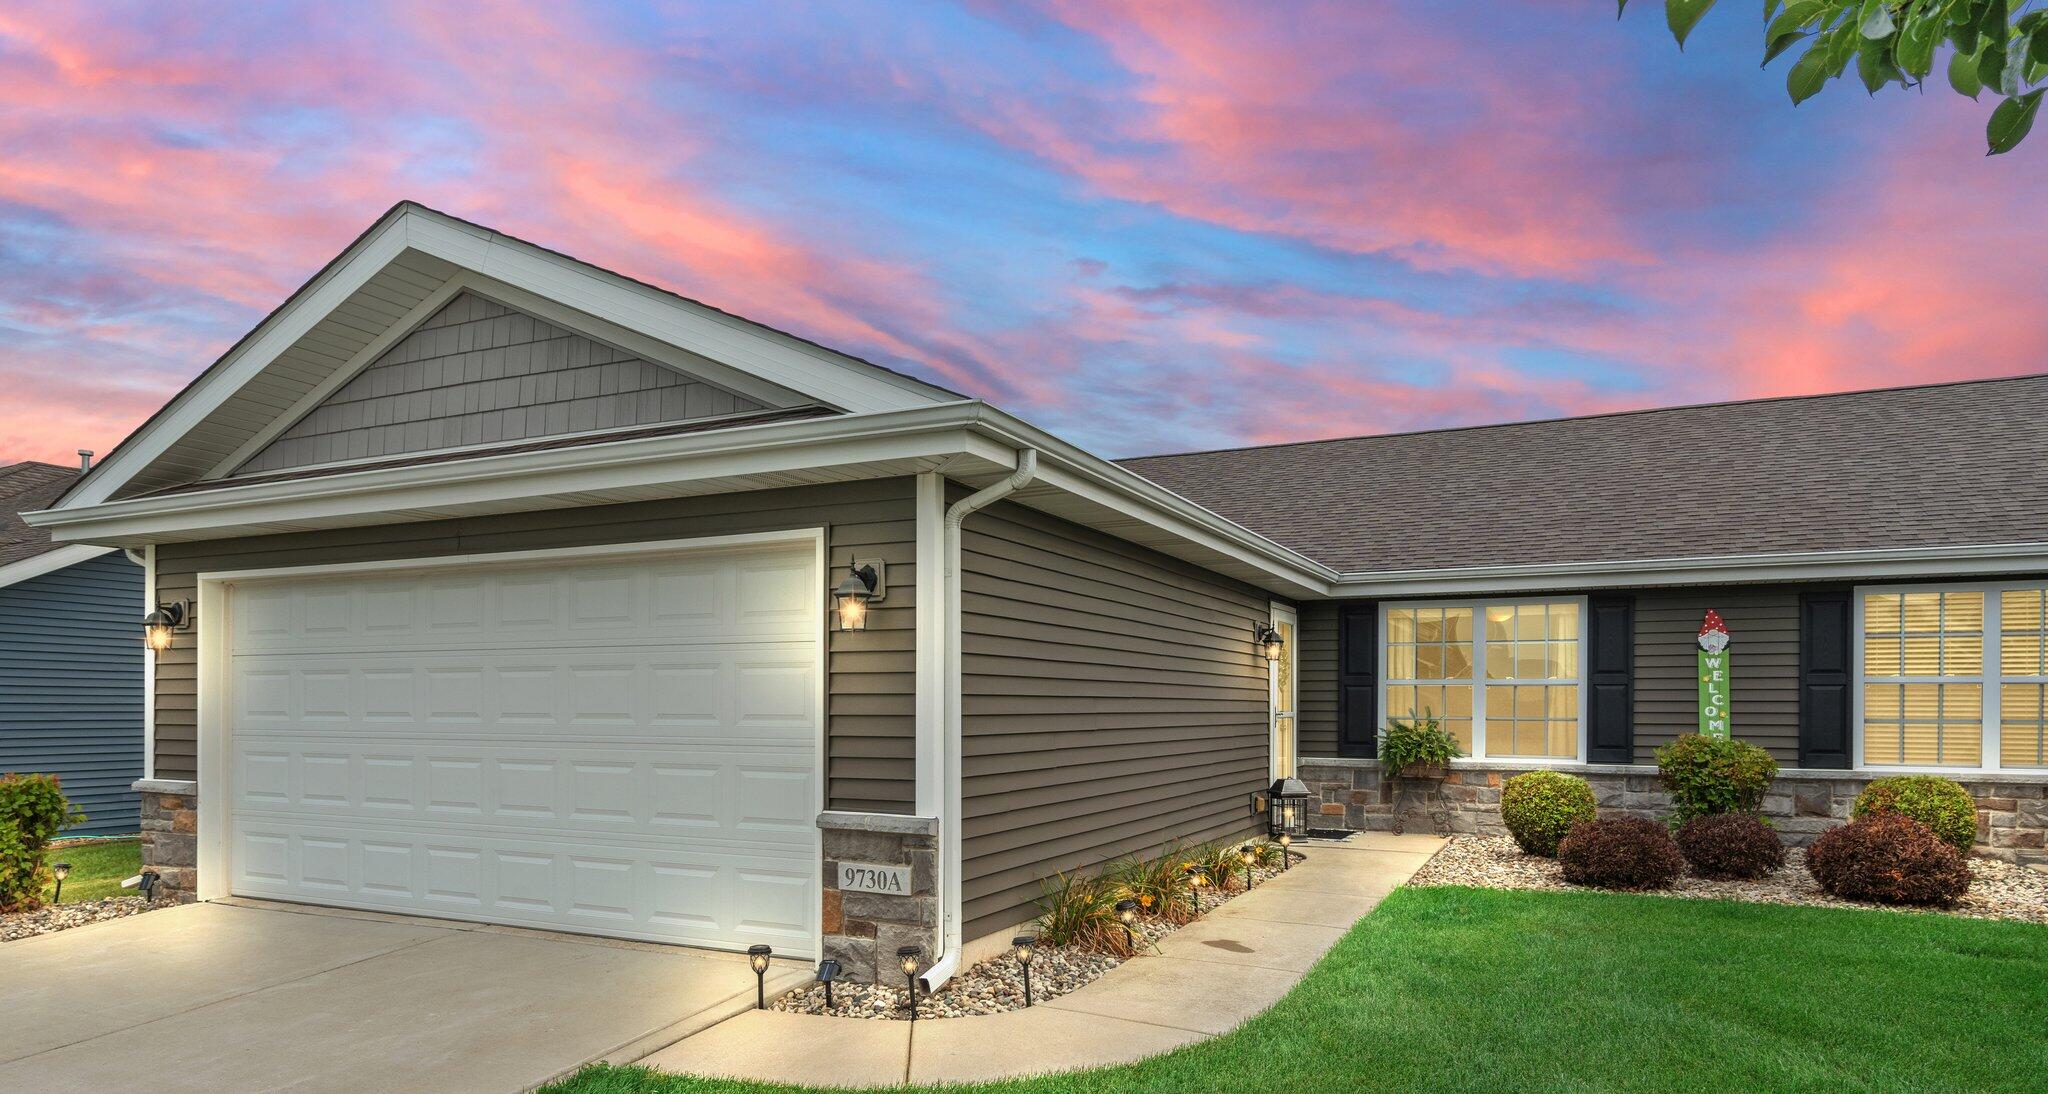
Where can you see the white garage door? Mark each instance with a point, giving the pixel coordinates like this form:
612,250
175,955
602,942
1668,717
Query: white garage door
624,746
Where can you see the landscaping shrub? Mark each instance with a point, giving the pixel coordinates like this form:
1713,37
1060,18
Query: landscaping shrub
1731,845
1270,856
1159,885
1080,910
33,810
1539,807
1417,742
1889,858
1225,866
1941,804
1620,853
1708,775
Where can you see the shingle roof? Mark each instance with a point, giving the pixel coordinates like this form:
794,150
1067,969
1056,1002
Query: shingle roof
24,488
1955,464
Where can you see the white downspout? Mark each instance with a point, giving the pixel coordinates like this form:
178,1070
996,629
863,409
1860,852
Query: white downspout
950,819
147,560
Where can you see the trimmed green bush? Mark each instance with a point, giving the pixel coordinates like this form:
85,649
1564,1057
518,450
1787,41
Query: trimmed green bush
1889,858
1628,853
1941,804
1539,807
33,810
1708,775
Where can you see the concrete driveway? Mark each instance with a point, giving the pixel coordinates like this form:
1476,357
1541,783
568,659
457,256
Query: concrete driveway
264,997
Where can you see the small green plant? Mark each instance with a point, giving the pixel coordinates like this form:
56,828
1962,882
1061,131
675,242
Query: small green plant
1268,854
1080,910
1941,804
1539,807
1223,864
33,810
1159,884
1708,775
1416,743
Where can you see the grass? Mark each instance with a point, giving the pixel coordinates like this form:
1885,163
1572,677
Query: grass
1469,989
96,868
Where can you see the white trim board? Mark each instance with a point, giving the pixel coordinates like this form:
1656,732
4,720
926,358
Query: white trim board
20,570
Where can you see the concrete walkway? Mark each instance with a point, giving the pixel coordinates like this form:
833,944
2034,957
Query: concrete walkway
1205,979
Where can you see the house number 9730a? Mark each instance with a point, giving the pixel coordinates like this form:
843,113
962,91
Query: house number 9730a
860,877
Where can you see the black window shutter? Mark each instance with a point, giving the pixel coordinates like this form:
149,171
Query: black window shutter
1825,645
1358,679
1610,673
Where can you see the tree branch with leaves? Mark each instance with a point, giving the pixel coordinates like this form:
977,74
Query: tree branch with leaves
1995,45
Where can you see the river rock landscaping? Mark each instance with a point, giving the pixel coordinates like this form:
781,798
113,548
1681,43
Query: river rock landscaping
1998,890
57,917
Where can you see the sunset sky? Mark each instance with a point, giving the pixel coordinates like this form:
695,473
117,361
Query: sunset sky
1146,226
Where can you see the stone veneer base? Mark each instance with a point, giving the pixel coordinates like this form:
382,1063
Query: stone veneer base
170,837
2012,810
862,931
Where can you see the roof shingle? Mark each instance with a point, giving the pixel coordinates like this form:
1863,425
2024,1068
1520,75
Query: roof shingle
24,488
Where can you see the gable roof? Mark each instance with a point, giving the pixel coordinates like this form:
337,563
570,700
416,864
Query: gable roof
24,488
1943,465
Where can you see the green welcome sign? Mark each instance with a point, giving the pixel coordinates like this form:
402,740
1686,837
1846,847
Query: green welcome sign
1713,676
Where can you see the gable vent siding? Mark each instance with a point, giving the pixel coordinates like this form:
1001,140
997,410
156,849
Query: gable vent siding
478,372
71,686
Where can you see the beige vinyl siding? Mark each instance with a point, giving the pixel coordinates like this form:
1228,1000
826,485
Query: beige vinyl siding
1763,624
871,689
1112,701
1316,671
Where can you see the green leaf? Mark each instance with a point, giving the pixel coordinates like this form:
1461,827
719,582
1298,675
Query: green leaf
1619,7
1782,43
1874,65
1915,51
1876,20
2010,122
1991,67
1771,9
1809,74
1796,15
1994,20
1683,15
1962,74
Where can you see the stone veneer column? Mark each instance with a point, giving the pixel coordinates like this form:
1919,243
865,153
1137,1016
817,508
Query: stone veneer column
170,837
862,931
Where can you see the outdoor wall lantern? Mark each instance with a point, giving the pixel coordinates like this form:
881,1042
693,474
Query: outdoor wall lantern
161,625
907,960
59,870
828,971
757,956
866,582
1287,808
1127,914
1027,947
1268,638
1249,856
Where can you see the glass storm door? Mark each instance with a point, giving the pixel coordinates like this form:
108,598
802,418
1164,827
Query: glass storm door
1283,691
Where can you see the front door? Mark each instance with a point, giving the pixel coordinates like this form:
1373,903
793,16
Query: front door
1283,690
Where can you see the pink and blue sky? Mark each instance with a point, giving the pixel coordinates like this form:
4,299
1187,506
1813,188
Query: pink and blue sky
1146,226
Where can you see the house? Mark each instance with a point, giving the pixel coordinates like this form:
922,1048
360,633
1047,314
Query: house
71,670
498,586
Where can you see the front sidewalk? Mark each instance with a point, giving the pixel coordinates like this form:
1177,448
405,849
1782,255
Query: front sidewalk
1205,979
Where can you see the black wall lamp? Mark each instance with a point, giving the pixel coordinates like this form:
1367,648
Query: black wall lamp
867,581
163,624
1268,638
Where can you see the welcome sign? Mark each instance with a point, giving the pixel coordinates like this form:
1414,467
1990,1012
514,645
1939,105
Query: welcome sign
1713,676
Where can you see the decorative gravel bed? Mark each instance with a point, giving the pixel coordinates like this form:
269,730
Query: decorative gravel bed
993,986
57,917
1998,890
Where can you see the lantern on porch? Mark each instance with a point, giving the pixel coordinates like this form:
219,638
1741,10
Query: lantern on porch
1287,808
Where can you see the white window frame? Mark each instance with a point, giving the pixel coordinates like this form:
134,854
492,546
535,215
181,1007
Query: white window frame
1478,757
1990,675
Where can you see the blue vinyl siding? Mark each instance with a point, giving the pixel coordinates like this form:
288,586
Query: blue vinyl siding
71,686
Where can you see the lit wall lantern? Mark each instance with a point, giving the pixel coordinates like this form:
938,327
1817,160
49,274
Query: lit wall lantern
162,625
1269,641
1287,809
866,583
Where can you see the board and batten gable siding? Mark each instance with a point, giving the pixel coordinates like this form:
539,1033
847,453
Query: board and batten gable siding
478,372
71,686
871,675
1112,701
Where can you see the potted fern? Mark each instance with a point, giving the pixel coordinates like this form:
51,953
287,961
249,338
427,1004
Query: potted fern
1417,748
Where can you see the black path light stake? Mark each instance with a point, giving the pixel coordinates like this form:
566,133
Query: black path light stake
1286,856
828,971
1127,914
148,881
1027,946
1249,856
757,956
59,870
1197,878
907,957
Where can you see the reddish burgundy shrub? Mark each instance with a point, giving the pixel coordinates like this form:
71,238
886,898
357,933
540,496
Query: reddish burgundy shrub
1889,858
1731,845
1620,853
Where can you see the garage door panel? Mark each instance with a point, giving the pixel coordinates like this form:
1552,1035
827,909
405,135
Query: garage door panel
624,747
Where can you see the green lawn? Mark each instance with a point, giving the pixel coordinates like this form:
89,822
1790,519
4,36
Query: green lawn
96,868
1471,989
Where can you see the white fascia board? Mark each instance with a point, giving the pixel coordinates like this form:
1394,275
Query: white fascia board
1907,562
20,570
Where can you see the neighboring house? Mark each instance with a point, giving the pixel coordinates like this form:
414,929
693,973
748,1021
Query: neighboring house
71,666
510,586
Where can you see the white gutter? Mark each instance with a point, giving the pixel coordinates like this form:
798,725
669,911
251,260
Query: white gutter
950,813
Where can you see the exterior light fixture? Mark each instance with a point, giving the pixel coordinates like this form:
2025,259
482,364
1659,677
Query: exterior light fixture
863,586
1286,857
59,870
907,958
148,880
1249,856
1287,808
757,956
1027,948
1127,914
1197,879
1268,638
162,625
828,971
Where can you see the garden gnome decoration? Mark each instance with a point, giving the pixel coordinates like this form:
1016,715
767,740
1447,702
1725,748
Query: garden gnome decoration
1713,661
